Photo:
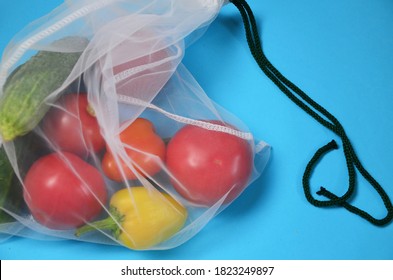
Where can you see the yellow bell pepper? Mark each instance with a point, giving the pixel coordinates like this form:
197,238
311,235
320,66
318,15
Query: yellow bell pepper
141,218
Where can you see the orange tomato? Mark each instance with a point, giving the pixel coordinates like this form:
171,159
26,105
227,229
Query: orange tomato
145,150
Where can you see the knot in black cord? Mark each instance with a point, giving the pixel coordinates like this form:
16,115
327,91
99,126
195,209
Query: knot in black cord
321,115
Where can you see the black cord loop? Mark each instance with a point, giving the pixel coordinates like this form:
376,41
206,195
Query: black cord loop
321,115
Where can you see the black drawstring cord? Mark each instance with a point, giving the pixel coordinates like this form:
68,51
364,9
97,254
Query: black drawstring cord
326,119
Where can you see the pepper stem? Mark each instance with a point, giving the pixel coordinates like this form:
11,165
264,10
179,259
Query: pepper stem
90,110
110,223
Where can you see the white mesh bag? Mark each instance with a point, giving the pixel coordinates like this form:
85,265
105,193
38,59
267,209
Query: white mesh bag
107,136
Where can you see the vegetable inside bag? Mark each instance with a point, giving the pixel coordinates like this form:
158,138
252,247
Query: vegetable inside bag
125,147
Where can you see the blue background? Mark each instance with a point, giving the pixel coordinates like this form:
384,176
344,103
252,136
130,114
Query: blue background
340,53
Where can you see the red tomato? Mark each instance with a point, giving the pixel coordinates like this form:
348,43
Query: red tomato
144,148
207,164
64,192
72,127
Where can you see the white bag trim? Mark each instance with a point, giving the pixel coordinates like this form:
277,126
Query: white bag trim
203,124
23,47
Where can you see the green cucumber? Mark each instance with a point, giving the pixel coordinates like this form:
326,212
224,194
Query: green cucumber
22,105
28,149
6,181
